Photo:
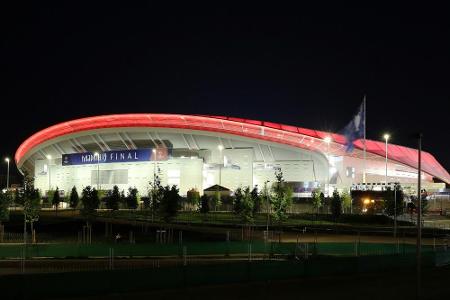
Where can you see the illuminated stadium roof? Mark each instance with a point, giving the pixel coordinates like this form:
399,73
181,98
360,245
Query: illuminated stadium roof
266,131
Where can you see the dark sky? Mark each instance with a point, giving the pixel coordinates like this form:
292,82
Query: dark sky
305,66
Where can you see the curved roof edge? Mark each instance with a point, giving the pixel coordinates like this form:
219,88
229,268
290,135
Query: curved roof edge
267,131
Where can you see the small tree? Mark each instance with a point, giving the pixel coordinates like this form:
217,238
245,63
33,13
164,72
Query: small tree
246,212
256,199
123,199
266,197
393,199
336,204
193,197
56,199
91,202
5,202
281,197
317,200
132,198
47,200
237,201
113,199
170,203
216,200
32,205
204,205
155,193
322,198
18,198
346,201
74,198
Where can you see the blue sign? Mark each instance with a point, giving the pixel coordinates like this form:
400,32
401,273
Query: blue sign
88,158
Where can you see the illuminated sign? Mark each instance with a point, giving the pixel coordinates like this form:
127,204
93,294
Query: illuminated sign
88,158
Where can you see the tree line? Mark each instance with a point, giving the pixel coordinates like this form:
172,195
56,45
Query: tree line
165,201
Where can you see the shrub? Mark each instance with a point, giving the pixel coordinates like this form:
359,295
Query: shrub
204,205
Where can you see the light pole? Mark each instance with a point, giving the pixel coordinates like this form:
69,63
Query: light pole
49,158
7,174
386,138
154,167
327,140
419,218
395,209
96,154
266,194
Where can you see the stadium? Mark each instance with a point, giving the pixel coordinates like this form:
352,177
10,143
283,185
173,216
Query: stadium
192,151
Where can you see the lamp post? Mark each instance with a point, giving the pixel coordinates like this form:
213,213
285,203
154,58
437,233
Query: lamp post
7,174
97,155
386,138
49,158
267,209
327,140
395,209
154,167
419,218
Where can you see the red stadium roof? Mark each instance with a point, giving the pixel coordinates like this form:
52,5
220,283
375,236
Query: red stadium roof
268,131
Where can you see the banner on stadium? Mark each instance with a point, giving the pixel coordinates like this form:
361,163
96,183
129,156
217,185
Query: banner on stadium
116,156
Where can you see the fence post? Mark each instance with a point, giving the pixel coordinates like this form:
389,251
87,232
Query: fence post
228,244
184,256
315,242
23,259
111,258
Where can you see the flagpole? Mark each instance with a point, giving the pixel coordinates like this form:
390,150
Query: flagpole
364,149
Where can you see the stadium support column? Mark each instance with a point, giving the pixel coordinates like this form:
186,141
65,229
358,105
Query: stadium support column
386,138
49,158
327,140
97,155
220,147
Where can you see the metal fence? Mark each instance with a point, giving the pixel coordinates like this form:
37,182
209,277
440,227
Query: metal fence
71,284
223,249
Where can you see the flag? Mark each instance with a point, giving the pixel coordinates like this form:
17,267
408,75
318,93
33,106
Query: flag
355,129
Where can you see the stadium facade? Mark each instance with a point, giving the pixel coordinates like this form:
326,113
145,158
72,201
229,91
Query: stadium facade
192,151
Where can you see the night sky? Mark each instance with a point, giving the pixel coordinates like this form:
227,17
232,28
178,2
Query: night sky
305,66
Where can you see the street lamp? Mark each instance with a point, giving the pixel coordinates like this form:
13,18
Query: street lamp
49,158
154,167
327,140
96,154
266,195
386,138
395,209
7,174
